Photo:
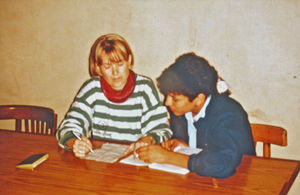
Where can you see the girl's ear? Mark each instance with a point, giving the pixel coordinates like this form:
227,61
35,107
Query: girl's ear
200,99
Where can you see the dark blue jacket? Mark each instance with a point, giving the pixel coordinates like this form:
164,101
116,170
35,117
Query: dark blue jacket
224,135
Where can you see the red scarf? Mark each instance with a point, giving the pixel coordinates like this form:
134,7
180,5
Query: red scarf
119,96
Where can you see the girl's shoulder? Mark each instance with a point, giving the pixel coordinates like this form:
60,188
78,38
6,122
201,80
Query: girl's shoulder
225,104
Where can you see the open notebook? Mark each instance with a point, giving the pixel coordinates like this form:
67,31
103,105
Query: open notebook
164,167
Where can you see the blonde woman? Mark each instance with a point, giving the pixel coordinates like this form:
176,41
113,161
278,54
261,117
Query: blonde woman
115,104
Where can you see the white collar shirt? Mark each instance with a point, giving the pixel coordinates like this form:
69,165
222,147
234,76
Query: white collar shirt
192,131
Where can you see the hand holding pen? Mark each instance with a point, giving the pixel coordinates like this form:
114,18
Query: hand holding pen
81,146
144,141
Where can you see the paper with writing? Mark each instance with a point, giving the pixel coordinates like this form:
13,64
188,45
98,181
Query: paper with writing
109,153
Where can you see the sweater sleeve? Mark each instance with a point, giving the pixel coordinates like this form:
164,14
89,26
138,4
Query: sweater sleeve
78,118
227,141
154,118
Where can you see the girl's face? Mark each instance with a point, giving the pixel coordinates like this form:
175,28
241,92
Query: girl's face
179,104
115,73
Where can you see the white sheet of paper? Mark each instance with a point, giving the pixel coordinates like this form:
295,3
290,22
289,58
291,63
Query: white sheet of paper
163,167
169,168
187,150
131,161
109,153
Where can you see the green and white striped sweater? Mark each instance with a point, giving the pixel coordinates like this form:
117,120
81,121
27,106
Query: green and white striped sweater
93,115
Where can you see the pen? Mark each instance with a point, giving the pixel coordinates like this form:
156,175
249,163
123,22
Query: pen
78,137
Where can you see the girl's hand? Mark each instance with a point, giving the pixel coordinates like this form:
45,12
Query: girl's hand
173,143
154,153
144,141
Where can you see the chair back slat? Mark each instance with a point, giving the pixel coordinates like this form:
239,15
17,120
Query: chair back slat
37,124
26,125
267,150
46,128
18,124
268,134
32,126
37,119
42,128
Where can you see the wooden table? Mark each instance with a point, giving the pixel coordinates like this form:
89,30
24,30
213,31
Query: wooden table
63,173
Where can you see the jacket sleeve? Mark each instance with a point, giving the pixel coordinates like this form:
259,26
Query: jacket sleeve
227,141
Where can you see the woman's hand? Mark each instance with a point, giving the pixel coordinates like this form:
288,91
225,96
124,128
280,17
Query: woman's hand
144,141
80,147
173,143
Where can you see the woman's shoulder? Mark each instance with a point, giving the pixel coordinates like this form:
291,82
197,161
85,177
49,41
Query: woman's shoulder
146,85
92,82
142,79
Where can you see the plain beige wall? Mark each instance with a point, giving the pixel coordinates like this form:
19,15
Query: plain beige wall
254,44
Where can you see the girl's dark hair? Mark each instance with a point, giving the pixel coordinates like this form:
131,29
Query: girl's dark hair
189,75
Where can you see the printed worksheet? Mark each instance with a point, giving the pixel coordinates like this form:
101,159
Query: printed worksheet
109,153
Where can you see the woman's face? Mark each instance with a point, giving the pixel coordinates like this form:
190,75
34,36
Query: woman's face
115,73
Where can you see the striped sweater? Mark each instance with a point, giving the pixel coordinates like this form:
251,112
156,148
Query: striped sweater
93,115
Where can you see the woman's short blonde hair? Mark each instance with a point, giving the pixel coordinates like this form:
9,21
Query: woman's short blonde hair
113,46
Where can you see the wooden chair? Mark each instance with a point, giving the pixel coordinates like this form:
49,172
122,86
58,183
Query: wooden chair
268,134
35,119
